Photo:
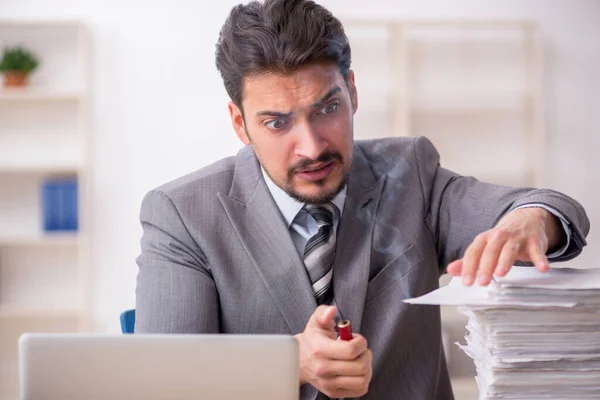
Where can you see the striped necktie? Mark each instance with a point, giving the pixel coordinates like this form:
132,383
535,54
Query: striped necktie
320,252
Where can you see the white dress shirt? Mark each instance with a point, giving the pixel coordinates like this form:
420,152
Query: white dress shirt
302,225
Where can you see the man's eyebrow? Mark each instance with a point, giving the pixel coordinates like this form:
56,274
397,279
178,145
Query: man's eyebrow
318,103
335,90
275,114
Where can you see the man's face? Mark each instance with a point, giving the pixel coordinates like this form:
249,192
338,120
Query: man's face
300,125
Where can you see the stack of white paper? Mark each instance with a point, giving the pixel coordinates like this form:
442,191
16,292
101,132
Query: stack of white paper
531,335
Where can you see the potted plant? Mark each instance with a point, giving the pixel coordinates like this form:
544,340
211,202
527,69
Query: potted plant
16,65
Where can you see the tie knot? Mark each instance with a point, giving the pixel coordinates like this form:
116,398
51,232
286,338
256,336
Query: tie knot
322,213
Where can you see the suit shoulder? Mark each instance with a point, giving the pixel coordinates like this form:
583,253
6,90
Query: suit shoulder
213,178
389,150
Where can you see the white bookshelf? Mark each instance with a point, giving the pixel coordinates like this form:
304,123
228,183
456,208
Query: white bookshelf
474,88
44,133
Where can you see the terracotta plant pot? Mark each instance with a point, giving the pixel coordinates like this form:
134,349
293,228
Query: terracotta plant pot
15,79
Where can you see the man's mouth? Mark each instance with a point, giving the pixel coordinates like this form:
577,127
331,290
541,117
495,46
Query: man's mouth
315,172
314,168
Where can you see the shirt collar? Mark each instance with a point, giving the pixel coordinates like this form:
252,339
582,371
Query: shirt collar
289,206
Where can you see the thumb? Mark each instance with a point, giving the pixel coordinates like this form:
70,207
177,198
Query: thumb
322,318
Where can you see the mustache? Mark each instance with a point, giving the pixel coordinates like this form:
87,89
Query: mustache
323,158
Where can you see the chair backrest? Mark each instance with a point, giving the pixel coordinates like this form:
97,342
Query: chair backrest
128,321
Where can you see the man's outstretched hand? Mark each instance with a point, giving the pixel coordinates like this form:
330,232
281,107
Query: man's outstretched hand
523,234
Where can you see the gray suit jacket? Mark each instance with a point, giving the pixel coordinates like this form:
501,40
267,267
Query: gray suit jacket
217,256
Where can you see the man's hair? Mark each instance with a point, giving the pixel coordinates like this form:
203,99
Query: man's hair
278,36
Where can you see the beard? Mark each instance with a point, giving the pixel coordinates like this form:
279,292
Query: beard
325,195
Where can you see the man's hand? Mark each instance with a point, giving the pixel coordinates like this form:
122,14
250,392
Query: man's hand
337,368
523,234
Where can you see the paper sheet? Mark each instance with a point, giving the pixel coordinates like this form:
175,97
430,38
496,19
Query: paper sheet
457,294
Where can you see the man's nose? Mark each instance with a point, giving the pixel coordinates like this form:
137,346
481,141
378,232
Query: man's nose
309,143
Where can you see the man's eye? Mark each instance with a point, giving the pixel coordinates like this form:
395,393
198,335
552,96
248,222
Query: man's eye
275,124
329,109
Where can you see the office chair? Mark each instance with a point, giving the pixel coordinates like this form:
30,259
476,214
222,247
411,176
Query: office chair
128,321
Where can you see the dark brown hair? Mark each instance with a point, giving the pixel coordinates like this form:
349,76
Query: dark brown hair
278,36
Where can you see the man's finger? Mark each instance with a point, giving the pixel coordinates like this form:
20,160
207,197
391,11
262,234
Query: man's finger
507,257
537,256
470,261
490,256
336,368
348,386
454,268
346,350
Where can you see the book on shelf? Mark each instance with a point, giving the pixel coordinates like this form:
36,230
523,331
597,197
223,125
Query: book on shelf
60,204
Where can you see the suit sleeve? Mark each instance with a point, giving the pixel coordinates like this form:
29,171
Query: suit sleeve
461,207
175,290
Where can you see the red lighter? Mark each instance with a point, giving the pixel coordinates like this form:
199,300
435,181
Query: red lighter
345,329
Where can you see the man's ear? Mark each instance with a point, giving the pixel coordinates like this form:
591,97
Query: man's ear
237,121
352,91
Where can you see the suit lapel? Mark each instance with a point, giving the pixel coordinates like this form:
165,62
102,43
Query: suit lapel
265,236
353,248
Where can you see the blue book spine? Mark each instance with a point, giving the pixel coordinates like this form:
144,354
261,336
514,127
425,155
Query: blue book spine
71,205
75,205
48,206
61,206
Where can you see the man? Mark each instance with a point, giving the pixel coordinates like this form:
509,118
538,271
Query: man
304,222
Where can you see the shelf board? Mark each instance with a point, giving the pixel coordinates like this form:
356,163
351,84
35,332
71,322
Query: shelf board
38,23
39,169
58,239
7,311
39,94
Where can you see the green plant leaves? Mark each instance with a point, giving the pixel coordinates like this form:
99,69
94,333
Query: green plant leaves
18,59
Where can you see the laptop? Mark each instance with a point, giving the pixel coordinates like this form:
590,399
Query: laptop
152,367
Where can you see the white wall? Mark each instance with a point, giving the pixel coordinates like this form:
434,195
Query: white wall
160,109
